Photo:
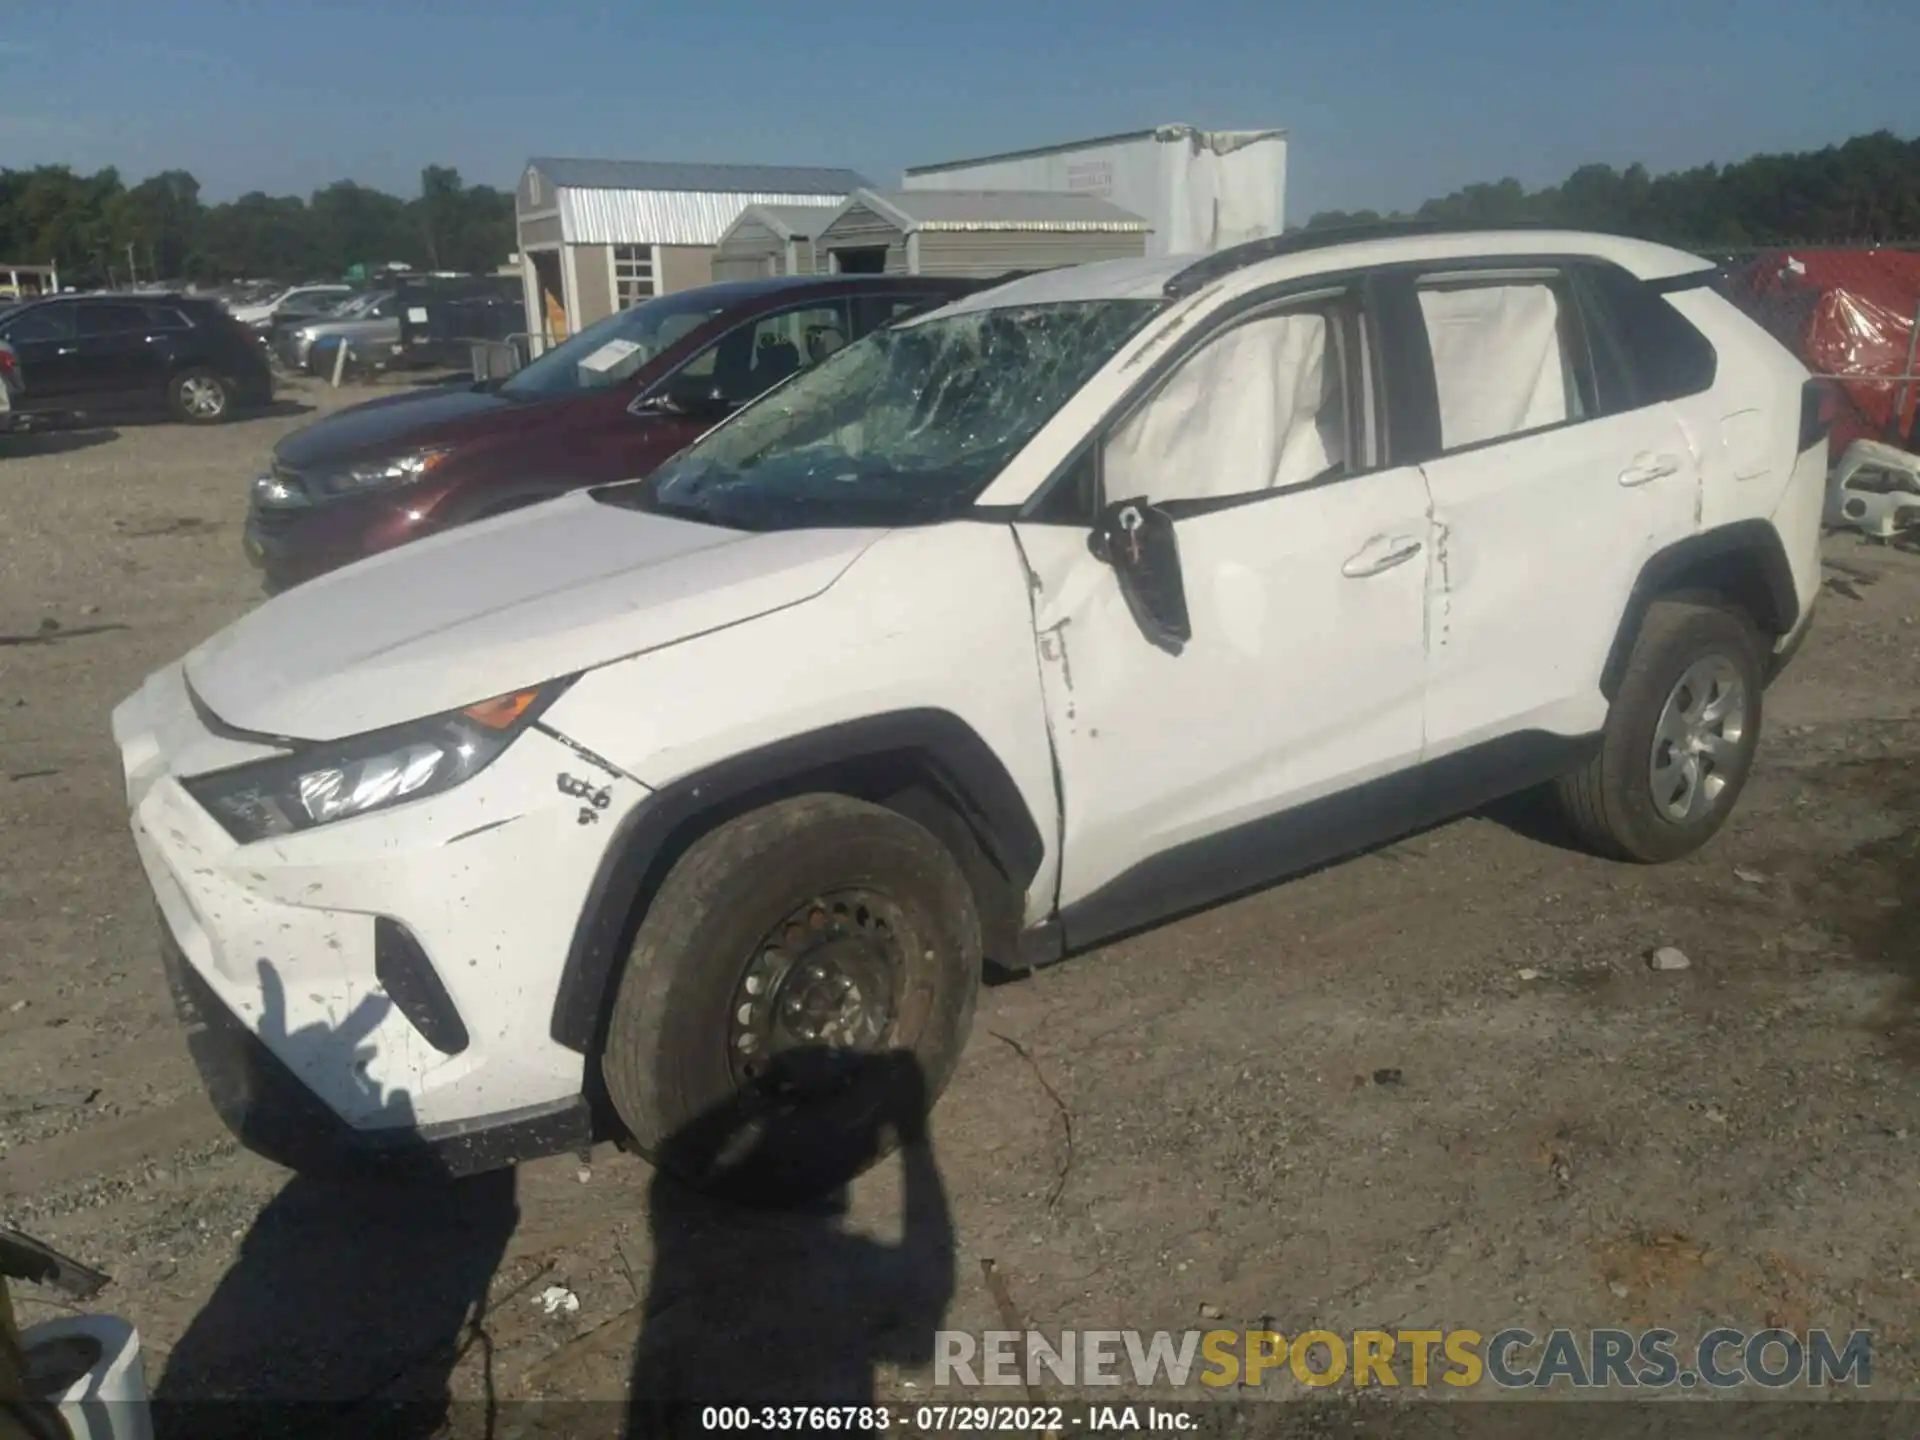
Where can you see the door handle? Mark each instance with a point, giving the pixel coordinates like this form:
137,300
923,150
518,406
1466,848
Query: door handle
1647,468
67,350
1379,556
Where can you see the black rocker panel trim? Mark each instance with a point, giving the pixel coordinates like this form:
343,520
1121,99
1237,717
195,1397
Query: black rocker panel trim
1261,852
966,767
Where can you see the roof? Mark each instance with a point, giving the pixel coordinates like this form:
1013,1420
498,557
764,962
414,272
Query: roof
792,222
1224,141
1032,210
643,202
1314,253
674,176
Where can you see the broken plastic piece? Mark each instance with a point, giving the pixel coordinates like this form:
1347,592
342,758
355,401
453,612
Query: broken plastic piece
1875,489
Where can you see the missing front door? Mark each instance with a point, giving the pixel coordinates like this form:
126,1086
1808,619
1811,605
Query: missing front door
863,260
553,295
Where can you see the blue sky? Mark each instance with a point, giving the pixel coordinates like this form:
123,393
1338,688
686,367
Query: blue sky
1387,103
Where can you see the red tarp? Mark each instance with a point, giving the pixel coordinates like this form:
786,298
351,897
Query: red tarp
1844,312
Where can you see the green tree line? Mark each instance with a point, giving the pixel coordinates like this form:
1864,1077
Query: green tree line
100,231
1867,189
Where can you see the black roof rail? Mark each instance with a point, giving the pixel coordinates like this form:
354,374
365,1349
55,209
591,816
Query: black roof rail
1297,242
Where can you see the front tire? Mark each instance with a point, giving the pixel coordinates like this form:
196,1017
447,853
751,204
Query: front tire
1679,741
797,996
200,397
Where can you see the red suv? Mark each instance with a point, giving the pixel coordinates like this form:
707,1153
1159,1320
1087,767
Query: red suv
612,403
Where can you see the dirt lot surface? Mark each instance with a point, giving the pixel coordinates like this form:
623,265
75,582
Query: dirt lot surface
1435,1086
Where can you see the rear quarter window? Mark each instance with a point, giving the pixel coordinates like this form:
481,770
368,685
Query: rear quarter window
1645,350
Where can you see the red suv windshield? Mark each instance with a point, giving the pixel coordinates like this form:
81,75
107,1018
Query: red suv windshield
610,350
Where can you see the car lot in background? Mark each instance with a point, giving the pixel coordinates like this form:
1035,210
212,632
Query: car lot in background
1551,1120
369,318
300,302
609,404
110,355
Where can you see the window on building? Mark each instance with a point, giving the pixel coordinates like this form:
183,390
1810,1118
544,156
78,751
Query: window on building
633,278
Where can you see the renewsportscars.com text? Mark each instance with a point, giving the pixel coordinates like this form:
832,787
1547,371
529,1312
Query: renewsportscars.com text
1511,1359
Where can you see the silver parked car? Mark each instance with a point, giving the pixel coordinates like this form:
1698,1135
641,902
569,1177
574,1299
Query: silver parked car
369,321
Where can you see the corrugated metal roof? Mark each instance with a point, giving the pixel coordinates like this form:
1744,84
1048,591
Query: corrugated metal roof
662,217
673,176
791,222
1029,210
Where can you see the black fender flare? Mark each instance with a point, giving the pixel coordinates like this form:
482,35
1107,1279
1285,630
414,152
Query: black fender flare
1753,546
965,767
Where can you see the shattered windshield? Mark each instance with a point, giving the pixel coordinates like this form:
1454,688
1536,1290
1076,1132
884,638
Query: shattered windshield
903,427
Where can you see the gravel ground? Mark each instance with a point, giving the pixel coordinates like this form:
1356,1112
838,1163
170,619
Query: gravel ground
1438,1085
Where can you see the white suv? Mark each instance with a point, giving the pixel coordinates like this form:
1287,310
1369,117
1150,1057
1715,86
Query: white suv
1086,600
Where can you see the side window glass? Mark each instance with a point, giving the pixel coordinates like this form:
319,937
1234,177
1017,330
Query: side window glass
44,322
1506,359
164,317
106,320
870,312
1264,407
1659,355
752,359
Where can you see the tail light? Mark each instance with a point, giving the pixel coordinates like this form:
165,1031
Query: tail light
1819,405
8,362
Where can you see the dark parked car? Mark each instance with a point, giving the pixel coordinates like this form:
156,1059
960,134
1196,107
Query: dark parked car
119,354
612,403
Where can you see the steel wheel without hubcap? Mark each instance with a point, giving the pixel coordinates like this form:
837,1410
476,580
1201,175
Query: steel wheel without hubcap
202,398
824,981
1697,741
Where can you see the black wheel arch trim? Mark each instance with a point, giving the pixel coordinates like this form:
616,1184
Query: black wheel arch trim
1673,568
968,771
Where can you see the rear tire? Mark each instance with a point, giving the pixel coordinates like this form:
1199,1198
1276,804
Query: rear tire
199,397
734,1056
1679,741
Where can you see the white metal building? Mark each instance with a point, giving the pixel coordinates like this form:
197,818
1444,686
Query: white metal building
771,240
1199,189
595,236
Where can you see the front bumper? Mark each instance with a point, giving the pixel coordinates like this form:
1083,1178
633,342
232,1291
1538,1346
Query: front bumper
274,1115
290,547
310,1050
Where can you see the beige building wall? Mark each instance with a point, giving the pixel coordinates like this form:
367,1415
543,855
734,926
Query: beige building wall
682,267
593,279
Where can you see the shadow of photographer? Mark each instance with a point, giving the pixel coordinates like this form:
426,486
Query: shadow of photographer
754,1305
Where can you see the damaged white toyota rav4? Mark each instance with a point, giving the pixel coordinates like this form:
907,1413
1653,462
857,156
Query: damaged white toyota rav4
1092,598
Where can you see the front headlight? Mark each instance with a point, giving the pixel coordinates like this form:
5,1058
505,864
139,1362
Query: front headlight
381,474
338,779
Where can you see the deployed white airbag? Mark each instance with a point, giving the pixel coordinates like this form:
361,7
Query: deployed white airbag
1257,409
1497,361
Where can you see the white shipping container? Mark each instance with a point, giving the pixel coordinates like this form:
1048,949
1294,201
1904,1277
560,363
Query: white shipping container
1201,190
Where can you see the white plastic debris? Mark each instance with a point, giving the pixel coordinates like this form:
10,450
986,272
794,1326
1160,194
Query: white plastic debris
1668,958
558,1300
1529,973
1752,877
1874,489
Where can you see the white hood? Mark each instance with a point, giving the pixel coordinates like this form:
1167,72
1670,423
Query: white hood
498,606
